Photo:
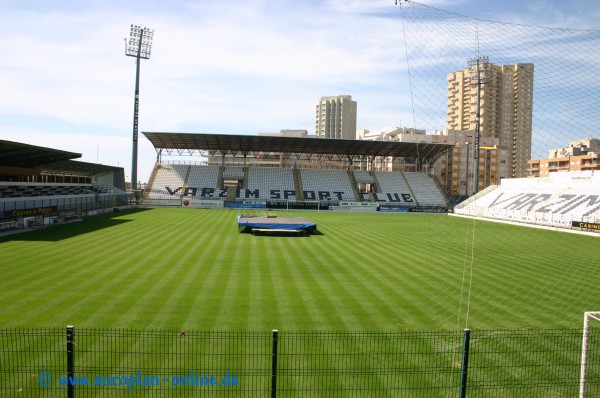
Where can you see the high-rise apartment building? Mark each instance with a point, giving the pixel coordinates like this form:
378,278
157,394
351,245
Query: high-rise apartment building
336,117
505,107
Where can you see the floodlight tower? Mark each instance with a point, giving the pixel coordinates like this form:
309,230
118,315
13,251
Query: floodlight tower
138,46
479,68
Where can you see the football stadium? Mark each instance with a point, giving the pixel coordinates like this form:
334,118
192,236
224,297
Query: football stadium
373,276
289,265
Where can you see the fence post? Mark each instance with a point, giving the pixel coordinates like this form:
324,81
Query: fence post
70,361
465,364
274,364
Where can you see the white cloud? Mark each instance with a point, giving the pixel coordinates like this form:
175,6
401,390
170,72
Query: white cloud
216,67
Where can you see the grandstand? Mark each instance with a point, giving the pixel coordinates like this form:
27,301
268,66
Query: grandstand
261,187
269,184
560,200
40,186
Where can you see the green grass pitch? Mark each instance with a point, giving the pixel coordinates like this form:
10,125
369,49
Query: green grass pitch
191,269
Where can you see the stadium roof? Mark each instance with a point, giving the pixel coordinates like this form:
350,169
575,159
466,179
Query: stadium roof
47,160
77,168
16,154
280,144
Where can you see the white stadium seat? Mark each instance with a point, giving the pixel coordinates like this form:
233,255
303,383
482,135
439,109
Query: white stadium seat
326,185
557,200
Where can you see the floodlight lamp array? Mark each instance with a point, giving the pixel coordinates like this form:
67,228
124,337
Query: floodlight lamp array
137,35
478,60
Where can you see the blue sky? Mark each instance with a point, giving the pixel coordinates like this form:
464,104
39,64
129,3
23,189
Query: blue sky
239,67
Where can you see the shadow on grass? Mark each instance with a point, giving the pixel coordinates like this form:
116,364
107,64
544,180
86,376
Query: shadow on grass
283,233
58,232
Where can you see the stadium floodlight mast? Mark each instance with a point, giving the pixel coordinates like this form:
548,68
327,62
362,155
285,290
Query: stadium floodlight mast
138,46
477,80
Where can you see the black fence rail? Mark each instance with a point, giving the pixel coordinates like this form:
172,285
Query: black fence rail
92,362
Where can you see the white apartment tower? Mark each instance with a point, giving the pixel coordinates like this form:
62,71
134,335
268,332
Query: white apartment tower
506,107
336,117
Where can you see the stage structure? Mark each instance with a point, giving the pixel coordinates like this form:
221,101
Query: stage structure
273,225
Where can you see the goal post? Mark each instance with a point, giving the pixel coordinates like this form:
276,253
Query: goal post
593,315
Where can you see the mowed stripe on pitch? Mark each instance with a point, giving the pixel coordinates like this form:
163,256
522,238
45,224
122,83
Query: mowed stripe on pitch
192,269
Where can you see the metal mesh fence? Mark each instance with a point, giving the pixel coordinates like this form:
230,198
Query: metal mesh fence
158,363
163,363
525,363
366,364
28,357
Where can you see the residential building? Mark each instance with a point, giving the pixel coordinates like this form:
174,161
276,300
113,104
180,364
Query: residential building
335,117
505,107
577,148
580,155
455,168
400,134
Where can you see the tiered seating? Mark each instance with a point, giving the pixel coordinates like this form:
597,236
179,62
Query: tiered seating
513,195
587,208
326,185
363,177
269,183
169,181
101,189
274,184
202,182
425,190
203,176
26,190
233,173
394,188
555,200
